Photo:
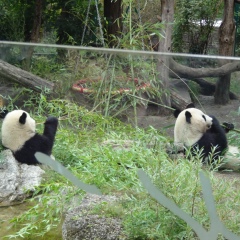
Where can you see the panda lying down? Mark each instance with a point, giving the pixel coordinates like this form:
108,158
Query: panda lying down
198,131
19,135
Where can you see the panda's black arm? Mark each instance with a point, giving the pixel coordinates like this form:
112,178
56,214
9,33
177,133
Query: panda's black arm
50,128
218,134
3,113
216,126
227,126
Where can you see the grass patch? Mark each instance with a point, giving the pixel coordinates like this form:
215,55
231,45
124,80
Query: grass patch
108,153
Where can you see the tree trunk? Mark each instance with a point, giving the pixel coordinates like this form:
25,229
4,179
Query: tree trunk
167,13
113,16
226,47
34,35
179,102
17,75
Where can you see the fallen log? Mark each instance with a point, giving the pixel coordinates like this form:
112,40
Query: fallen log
24,78
180,97
178,102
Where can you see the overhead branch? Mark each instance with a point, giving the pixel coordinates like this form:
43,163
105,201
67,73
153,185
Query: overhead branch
179,70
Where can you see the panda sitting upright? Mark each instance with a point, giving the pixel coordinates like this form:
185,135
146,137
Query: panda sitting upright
198,131
19,135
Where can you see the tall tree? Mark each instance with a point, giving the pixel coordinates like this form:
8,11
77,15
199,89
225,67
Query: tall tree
113,16
226,39
226,47
194,24
167,13
32,29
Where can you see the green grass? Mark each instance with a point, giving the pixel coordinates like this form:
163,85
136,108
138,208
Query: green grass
81,147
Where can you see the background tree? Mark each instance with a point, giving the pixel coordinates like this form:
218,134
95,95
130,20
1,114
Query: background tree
113,19
226,47
11,24
167,11
22,20
33,23
194,25
12,20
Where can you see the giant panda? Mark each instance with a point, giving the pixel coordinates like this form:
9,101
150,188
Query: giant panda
200,132
19,135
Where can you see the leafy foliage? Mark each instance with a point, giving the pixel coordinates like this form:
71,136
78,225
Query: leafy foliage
108,153
194,21
69,20
12,20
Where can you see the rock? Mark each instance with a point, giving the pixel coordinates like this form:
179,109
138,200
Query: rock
80,223
17,181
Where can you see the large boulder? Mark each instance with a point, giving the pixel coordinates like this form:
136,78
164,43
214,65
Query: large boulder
17,181
81,223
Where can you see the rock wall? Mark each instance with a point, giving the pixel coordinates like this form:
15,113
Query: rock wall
17,181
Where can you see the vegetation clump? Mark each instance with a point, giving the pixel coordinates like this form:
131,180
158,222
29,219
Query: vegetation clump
84,145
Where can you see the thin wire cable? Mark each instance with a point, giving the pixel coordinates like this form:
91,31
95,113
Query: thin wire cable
122,51
100,24
86,21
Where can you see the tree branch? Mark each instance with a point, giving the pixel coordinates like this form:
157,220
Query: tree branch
14,74
178,70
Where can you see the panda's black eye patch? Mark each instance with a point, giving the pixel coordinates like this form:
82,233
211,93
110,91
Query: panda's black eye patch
204,117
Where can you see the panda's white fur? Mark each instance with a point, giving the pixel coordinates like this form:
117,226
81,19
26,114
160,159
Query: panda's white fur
20,136
188,134
195,127
15,134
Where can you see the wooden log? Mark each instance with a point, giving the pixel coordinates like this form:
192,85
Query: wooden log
180,97
24,78
178,102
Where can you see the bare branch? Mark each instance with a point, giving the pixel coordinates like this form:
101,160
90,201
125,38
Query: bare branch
14,74
178,70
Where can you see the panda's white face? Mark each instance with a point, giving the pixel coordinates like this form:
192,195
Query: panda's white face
17,128
190,126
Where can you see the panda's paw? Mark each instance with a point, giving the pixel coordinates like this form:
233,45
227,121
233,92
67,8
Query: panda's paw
52,121
3,113
227,126
174,148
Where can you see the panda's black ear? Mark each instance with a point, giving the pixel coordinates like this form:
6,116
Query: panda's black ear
3,113
176,113
22,119
190,105
188,116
